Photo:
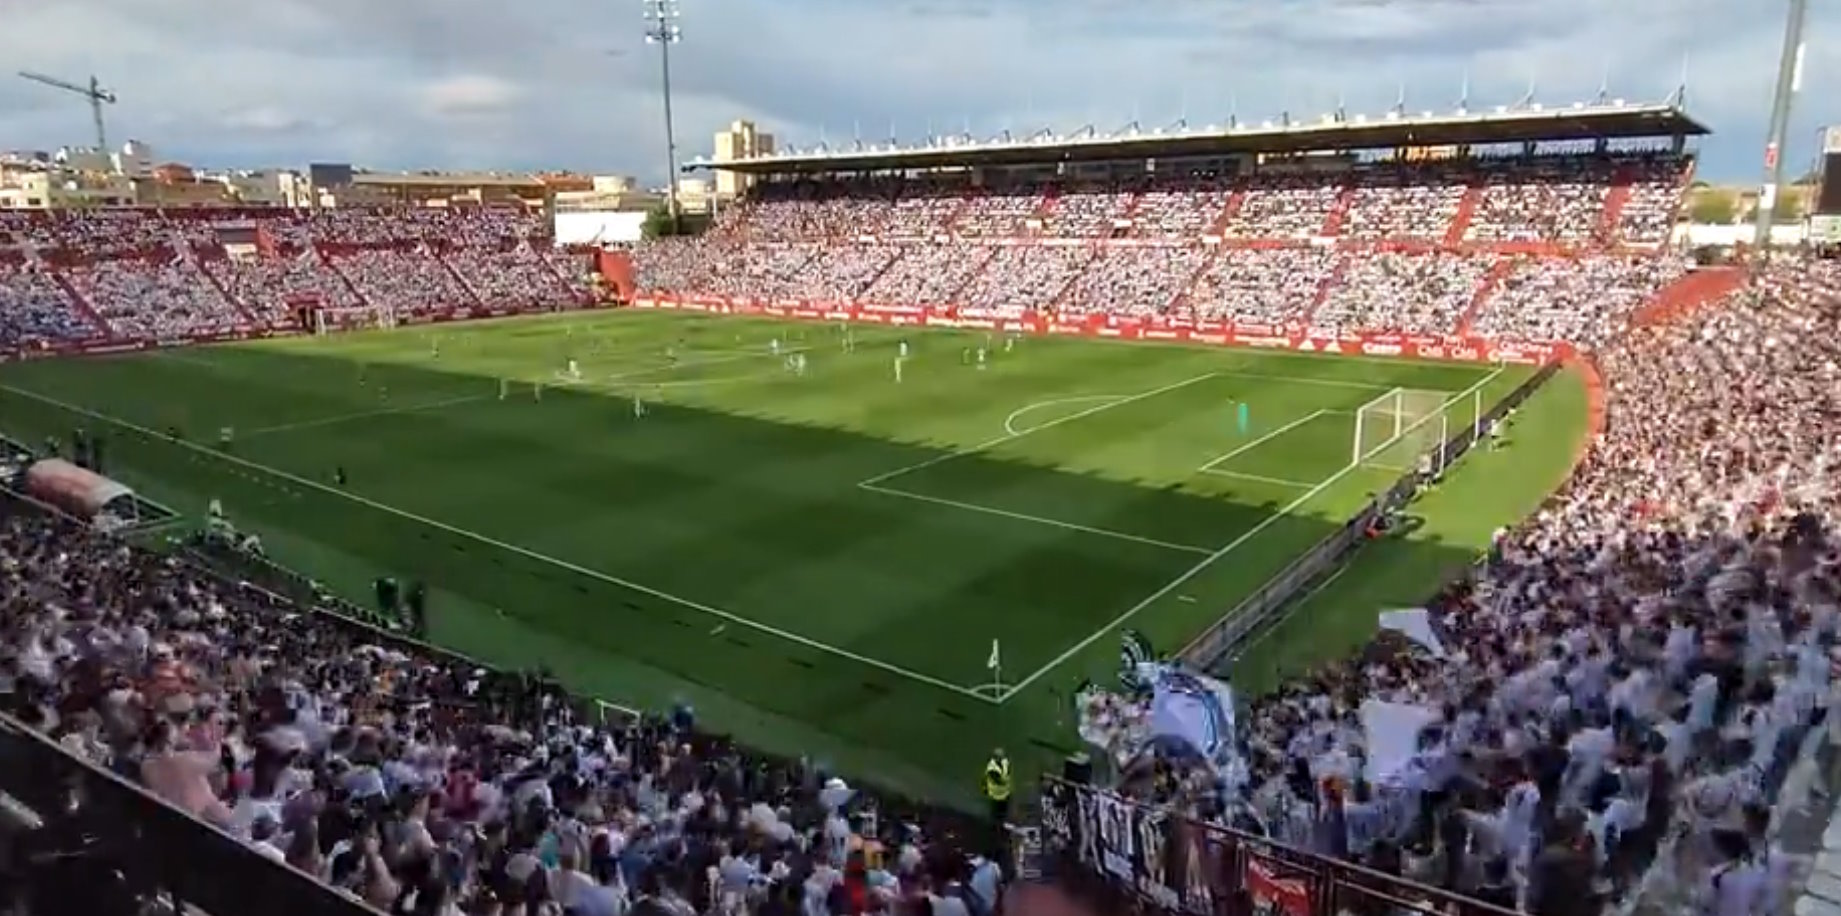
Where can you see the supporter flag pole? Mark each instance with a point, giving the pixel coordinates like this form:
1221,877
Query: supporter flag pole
996,664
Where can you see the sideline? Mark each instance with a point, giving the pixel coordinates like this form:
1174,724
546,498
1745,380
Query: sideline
718,613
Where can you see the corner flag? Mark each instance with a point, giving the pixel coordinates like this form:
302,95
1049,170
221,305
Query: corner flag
996,660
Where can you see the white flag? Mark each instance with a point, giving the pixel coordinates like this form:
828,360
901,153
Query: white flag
994,662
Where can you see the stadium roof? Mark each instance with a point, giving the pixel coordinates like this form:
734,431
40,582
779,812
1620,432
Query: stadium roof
1612,121
447,180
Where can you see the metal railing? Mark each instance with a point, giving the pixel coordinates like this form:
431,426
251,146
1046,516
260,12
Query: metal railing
1265,607
1124,857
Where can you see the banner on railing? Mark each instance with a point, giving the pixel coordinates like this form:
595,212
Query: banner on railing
1300,339
107,346
1172,865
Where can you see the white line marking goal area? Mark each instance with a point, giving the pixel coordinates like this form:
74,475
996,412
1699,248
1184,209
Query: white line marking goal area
1246,536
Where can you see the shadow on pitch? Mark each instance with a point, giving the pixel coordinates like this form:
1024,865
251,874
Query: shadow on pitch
758,518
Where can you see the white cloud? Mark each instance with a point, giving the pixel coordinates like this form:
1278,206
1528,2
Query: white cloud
469,95
473,83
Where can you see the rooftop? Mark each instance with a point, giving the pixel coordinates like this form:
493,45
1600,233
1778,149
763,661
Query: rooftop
1609,120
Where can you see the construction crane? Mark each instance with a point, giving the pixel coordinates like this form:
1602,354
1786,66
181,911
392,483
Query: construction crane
94,92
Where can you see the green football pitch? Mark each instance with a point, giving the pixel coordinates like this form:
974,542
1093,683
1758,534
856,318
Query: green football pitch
820,562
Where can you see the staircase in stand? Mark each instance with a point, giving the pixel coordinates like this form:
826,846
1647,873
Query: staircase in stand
1614,202
191,257
1234,202
350,287
1061,295
1694,290
563,281
990,254
877,276
465,287
965,203
84,307
1486,288
1339,213
1328,286
1466,211
1184,293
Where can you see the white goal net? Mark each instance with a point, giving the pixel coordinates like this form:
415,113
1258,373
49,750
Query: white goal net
331,320
1394,430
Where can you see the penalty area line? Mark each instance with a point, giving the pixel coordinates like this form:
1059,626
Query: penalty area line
1176,583
525,552
1006,437
1034,519
364,415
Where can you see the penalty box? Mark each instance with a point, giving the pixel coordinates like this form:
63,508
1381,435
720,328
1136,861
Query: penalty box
1124,467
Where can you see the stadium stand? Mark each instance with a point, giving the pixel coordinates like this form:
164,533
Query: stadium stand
1623,685
114,277
415,781
1639,661
1414,248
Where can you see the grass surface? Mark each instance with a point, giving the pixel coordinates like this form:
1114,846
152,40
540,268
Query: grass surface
819,563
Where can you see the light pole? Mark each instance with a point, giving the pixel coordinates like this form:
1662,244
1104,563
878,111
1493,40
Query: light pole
1789,83
662,30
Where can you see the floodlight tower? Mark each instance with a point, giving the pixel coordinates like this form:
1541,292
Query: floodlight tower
662,30
1789,83
94,92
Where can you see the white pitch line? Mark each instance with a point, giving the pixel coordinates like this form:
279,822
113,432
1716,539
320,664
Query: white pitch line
1010,421
718,613
1176,583
1034,519
365,415
1297,605
1260,478
1262,440
1306,380
1006,437
1212,559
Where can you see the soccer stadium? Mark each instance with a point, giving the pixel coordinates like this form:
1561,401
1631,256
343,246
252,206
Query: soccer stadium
1361,515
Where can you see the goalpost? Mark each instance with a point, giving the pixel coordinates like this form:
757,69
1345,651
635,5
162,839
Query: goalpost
1394,430
330,320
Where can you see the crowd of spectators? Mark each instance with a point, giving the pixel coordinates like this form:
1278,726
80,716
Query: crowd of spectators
407,282
1654,203
1405,204
1026,276
1553,201
1616,696
35,311
269,288
161,296
511,274
419,783
1416,293
1133,281
1270,286
928,273
1136,247
1586,300
165,275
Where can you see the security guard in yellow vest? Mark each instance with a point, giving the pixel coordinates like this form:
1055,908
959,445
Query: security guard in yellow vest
997,786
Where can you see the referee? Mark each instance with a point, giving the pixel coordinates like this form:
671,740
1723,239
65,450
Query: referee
997,787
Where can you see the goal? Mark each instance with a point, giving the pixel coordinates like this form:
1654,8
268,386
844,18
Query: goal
1395,429
330,320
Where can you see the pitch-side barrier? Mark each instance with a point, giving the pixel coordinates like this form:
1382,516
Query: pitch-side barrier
1299,338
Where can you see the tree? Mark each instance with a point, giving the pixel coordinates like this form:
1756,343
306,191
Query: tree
658,223
1710,207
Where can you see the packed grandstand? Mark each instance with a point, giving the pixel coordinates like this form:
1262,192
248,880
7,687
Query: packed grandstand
1642,660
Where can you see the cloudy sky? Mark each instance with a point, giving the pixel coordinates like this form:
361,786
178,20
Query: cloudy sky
570,84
